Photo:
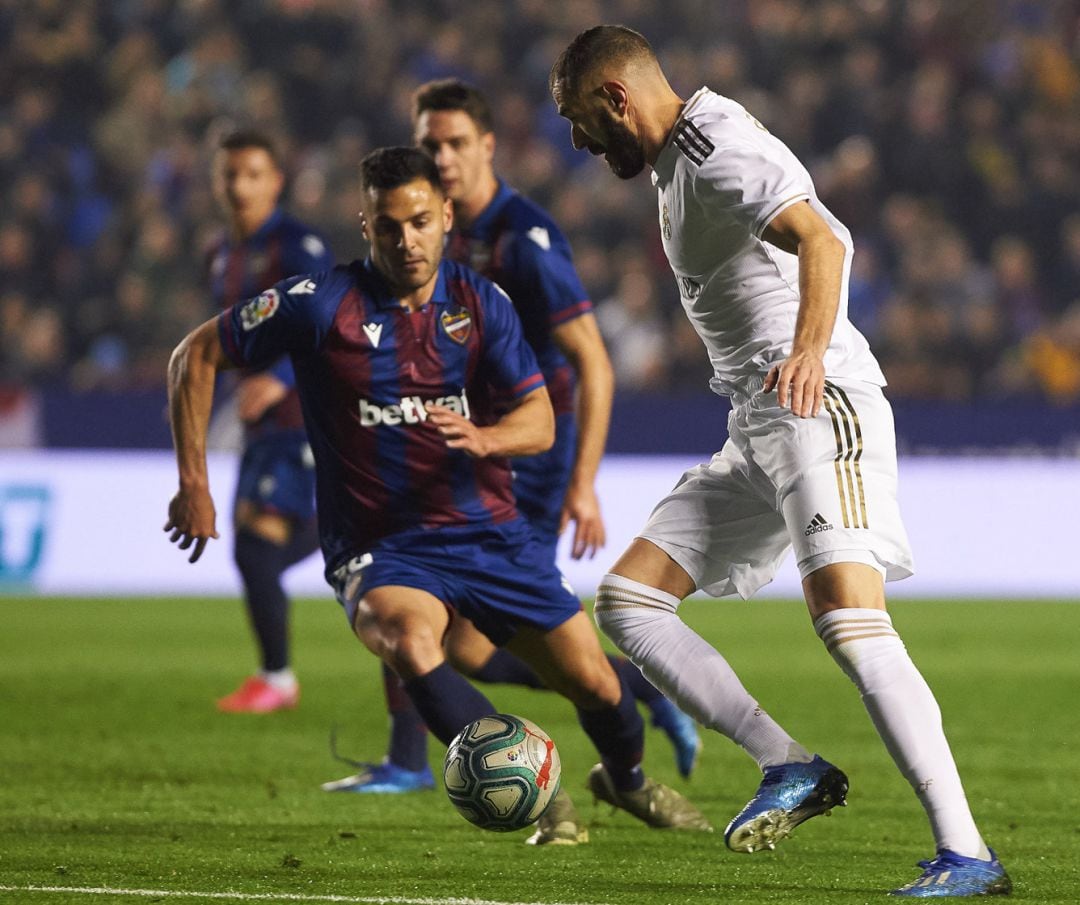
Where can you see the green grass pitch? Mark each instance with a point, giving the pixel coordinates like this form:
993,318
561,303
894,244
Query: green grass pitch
116,772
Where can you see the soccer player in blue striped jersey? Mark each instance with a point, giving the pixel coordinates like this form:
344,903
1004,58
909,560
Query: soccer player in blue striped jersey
417,387
274,510
509,239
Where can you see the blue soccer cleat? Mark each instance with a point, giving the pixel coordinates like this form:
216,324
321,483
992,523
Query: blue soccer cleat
788,795
681,729
383,779
950,874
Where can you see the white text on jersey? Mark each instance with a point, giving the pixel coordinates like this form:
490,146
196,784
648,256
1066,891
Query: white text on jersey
411,410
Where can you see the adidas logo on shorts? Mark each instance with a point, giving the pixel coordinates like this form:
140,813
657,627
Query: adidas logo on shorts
817,524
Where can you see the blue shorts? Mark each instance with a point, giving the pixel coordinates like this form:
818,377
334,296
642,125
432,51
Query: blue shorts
499,577
277,474
540,482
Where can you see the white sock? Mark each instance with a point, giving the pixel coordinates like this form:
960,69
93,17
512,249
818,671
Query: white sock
644,624
281,679
906,715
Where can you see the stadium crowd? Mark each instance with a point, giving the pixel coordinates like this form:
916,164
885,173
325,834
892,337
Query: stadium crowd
944,133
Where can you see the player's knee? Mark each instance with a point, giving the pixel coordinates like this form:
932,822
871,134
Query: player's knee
256,556
413,651
409,648
595,685
626,624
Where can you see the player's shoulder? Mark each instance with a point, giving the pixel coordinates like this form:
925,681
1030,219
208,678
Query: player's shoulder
712,123
466,287
326,287
458,274
527,226
295,233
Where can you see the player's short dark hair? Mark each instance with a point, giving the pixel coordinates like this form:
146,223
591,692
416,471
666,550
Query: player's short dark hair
241,139
453,94
389,168
598,47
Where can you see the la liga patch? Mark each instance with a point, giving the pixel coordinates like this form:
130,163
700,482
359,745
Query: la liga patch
259,309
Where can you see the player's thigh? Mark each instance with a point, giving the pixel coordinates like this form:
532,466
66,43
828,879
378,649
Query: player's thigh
467,648
571,661
404,626
718,529
645,562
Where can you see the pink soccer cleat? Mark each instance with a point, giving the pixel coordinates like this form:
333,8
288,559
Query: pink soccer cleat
257,695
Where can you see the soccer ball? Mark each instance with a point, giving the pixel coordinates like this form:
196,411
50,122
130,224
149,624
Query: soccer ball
501,772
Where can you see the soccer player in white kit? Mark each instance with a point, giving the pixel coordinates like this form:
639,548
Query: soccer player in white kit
810,462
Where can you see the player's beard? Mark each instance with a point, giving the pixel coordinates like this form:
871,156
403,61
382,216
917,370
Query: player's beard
622,149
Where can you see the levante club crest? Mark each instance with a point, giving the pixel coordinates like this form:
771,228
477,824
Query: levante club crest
457,324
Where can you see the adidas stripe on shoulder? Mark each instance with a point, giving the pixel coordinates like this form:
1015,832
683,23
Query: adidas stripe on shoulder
693,143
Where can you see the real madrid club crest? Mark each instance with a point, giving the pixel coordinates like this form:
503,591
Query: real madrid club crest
457,324
665,221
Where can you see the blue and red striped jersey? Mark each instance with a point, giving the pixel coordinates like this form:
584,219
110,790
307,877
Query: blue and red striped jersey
517,245
282,247
365,369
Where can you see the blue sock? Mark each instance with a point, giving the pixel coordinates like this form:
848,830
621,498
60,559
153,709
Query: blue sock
503,667
261,563
619,735
446,701
408,734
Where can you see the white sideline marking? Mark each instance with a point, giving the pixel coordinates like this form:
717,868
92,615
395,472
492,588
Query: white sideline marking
264,896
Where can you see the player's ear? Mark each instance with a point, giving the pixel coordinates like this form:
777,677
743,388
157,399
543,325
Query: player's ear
364,226
487,142
448,214
615,96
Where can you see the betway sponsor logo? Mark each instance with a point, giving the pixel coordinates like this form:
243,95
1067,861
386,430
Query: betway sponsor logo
411,410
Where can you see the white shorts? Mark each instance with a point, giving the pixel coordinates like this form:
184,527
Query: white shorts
824,485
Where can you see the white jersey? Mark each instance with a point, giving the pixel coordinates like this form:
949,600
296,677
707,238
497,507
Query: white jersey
721,179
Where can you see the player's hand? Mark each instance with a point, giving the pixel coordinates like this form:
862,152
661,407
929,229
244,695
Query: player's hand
256,394
458,431
192,521
799,382
583,508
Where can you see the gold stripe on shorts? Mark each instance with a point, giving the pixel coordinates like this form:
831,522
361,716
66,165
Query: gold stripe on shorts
849,449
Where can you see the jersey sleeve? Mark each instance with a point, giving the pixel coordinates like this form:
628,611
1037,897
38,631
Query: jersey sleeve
540,259
507,358
280,321
751,182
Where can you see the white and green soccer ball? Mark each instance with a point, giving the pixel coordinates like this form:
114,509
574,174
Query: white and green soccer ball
502,772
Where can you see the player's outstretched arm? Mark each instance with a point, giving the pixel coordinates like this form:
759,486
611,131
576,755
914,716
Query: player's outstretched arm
193,368
581,343
526,430
800,379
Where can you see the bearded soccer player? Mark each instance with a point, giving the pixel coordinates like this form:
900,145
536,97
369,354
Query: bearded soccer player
417,387
762,268
274,510
512,241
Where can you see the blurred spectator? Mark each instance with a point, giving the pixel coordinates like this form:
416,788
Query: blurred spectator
635,330
945,135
